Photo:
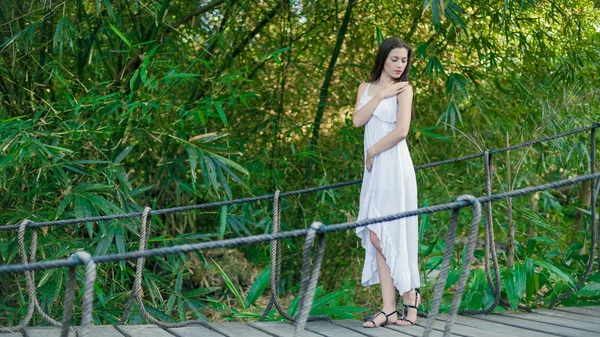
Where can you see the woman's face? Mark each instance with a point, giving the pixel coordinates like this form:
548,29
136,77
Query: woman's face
396,62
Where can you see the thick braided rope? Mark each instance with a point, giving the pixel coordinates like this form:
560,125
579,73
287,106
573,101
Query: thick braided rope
270,196
30,276
310,279
137,283
69,300
88,291
476,219
254,239
28,280
441,284
593,225
275,272
490,242
490,247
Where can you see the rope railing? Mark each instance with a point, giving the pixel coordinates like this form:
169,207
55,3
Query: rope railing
309,278
307,283
262,238
283,194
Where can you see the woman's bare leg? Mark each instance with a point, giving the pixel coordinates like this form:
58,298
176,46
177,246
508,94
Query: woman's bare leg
388,291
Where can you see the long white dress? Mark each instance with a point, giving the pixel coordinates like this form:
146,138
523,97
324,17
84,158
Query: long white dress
390,187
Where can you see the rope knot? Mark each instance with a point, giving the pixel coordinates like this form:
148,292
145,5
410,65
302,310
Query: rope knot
467,197
24,224
82,257
316,226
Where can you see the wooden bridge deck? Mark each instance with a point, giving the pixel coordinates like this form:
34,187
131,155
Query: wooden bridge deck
580,321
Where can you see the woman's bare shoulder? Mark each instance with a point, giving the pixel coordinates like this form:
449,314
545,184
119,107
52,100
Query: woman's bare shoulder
407,91
362,87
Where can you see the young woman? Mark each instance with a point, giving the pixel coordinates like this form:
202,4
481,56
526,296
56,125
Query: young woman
384,107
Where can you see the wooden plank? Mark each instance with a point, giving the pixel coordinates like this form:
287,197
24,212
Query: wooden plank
281,329
565,322
494,328
463,330
415,330
592,307
331,329
142,331
194,331
101,331
580,310
569,315
356,326
524,323
235,329
42,332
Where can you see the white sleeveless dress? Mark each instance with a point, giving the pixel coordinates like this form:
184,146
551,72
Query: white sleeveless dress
390,187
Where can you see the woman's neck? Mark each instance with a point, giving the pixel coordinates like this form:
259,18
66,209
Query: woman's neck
385,79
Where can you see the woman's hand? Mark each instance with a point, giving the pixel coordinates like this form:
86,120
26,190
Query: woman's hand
370,158
392,90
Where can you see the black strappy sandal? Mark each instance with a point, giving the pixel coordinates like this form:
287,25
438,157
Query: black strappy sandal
406,307
372,320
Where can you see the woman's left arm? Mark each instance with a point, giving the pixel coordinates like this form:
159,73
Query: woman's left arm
402,123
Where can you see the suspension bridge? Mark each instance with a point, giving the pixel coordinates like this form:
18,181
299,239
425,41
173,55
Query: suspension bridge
564,321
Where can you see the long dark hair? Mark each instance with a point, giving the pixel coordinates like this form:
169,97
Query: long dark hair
384,50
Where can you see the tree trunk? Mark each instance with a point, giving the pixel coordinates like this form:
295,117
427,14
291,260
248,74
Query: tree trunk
325,88
285,62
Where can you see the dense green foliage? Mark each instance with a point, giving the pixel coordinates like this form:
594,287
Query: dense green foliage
110,106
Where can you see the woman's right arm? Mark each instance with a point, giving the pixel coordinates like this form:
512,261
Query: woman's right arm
361,116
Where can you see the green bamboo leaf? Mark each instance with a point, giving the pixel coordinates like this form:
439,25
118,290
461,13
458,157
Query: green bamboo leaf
134,77
231,173
77,170
170,305
590,290
105,243
185,75
453,11
63,204
121,35
221,113
230,163
378,35
57,149
259,286
223,222
456,85
230,285
327,300
557,272
530,271
194,307
120,240
434,66
10,40
179,282
109,9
